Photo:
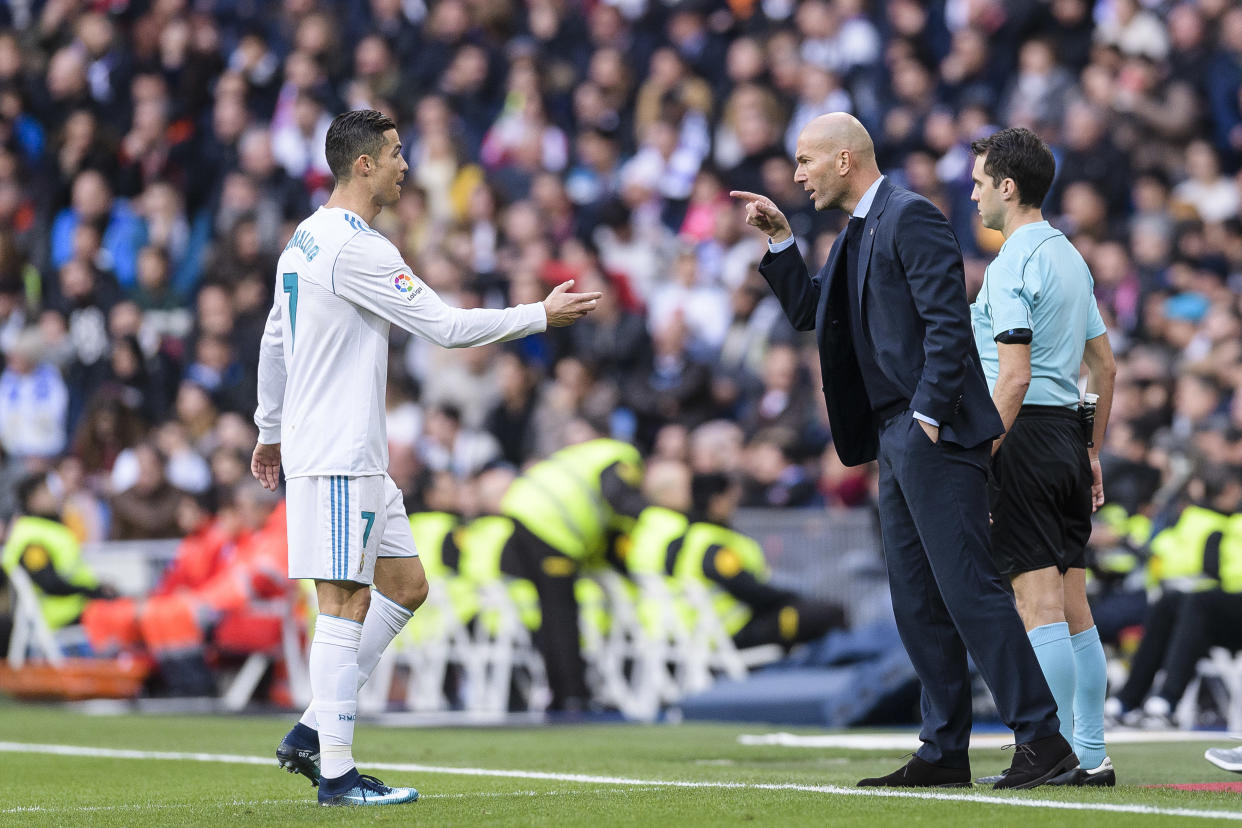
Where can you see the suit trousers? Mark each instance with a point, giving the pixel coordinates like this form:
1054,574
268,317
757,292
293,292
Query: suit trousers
948,598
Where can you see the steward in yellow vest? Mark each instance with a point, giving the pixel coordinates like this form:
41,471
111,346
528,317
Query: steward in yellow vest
564,509
731,565
50,554
1177,553
1205,618
574,498
1197,563
488,555
436,536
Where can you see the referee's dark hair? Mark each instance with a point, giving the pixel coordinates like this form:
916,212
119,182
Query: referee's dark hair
1019,154
354,133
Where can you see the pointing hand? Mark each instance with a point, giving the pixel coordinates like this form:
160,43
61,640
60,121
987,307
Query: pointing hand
763,214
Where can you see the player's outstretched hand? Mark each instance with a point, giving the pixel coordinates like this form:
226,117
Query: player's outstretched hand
265,465
763,214
565,308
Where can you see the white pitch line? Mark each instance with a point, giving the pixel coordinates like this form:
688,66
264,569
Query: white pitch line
86,809
880,793
909,741
157,806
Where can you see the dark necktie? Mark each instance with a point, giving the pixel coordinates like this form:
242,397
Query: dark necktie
853,238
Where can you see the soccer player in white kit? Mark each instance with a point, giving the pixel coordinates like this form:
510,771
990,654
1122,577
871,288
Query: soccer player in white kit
323,368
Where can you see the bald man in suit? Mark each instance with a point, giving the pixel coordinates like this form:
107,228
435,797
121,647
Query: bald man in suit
903,384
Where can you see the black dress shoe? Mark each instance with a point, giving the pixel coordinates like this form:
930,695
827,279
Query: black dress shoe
919,774
1102,777
1034,763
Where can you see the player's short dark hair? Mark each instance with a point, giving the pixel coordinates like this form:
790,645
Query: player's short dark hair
355,133
1019,154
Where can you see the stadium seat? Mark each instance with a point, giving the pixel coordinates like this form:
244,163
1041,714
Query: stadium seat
31,630
1221,674
44,663
281,627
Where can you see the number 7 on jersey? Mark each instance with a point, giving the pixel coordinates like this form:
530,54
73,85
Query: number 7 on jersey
290,281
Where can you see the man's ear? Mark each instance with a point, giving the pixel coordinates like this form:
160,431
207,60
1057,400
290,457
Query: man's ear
363,165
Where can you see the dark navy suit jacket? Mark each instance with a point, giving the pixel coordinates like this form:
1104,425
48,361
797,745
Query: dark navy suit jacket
915,312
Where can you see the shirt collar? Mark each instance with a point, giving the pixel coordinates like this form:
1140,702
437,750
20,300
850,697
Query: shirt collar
1034,225
864,203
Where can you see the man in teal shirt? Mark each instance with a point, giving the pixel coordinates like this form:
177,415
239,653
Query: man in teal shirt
1035,323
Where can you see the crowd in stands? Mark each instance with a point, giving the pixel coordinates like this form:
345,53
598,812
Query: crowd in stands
155,156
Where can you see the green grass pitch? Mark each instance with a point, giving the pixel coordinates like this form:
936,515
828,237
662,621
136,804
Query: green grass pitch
563,775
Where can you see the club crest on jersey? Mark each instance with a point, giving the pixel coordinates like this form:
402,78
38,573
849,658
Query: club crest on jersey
404,285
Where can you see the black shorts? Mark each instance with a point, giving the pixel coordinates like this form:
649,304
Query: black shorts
1040,493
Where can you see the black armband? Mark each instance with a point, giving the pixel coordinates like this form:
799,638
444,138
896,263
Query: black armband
1014,336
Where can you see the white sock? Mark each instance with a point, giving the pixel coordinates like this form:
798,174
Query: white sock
334,690
384,620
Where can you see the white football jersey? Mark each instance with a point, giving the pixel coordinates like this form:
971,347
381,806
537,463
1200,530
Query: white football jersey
323,362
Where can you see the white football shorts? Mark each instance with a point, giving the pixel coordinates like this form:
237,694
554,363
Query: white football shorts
339,525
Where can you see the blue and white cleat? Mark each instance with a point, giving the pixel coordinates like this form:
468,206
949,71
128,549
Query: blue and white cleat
359,789
299,752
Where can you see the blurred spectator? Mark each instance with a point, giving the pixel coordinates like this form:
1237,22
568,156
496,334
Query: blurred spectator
675,387
1090,156
613,338
716,446
573,392
785,400
510,421
1036,97
92,203
1223,82
217,370
147,508
84,512
33,403
1213,196
465,379
448,445
1133,30
698,305
773,479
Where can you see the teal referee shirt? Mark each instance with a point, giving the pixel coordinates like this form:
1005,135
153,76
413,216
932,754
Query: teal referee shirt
1039,281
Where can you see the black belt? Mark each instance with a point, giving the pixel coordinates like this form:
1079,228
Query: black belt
1059,412
890,411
